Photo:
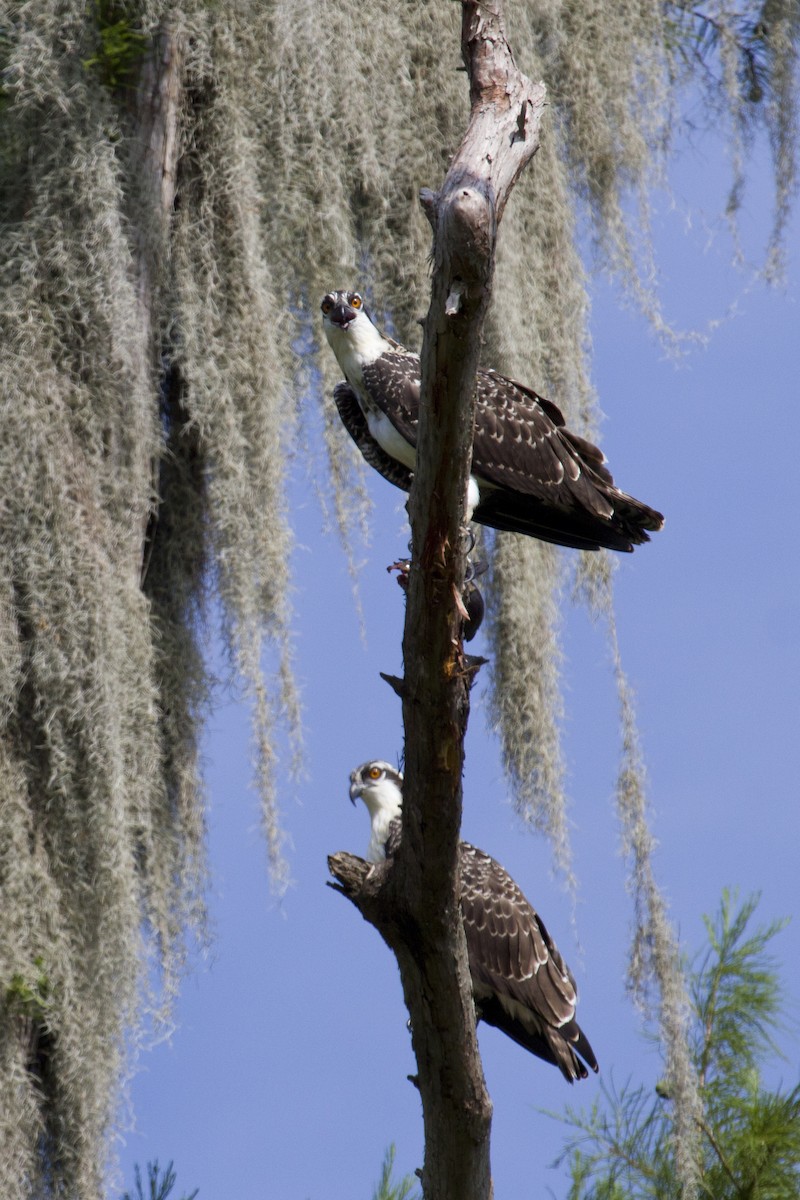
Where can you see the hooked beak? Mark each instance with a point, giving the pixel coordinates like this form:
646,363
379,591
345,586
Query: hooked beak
355,790
342,315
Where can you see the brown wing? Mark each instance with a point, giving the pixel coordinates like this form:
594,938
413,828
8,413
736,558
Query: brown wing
546,481
523,447
393,382
520,981
355,423
519,438
519,443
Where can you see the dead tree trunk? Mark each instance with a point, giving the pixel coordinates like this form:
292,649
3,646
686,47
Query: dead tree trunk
153,112
413,901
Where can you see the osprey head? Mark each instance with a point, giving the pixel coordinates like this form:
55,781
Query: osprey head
380,787
341,309
351,335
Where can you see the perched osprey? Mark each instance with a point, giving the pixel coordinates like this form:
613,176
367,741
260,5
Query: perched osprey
530,474
520,982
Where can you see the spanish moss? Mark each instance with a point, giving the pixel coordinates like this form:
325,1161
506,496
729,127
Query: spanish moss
655,973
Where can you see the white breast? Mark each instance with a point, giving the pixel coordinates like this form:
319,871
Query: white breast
389,439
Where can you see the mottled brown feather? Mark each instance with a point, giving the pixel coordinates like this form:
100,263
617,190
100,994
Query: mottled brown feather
548,482
521,983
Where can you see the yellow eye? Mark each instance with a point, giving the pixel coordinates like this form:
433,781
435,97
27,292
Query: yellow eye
355,300
327,305
374,772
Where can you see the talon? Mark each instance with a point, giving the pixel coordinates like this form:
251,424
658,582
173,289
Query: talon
462,610
475,609
403,568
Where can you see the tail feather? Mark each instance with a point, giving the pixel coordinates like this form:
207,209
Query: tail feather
560,1047
514,512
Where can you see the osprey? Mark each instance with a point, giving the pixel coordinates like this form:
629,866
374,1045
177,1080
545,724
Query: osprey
520,982
530,474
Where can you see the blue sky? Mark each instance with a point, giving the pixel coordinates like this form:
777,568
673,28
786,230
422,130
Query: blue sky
286,1075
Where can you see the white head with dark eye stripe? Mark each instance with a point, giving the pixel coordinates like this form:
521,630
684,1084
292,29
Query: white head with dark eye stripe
380,786
351,334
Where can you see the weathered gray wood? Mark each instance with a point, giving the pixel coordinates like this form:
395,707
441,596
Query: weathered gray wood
414,903
154,111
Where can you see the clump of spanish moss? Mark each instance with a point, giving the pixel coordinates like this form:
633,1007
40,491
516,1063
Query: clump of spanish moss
544,339
90,845
655,974
230,346
743,60
140,461
526,706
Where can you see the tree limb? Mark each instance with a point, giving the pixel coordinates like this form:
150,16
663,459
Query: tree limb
414,902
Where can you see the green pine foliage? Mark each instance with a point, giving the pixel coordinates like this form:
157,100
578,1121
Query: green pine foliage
386,1189
749,1134
159,1184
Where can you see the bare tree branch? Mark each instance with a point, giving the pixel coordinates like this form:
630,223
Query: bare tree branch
414,903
